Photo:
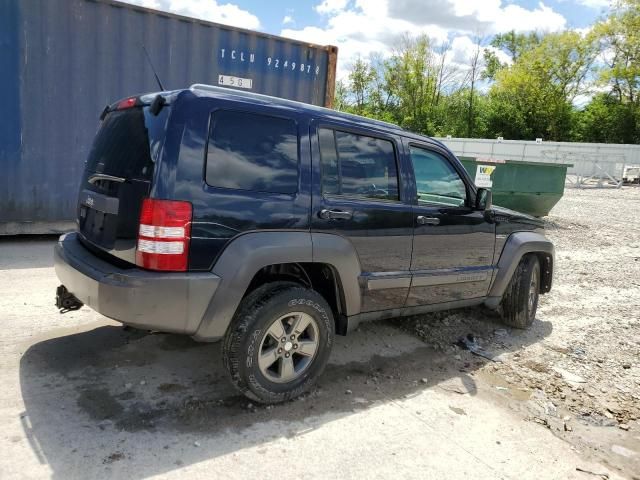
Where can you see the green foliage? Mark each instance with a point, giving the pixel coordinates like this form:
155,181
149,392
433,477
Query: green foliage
516,44
620,37
492,64
607,120
533,97
533,94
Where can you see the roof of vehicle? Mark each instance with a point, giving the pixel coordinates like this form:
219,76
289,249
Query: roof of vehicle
322,112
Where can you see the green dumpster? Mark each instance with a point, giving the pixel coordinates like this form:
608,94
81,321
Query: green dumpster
528,187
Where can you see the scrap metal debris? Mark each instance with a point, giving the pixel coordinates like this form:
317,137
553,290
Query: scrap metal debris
470,343
604,476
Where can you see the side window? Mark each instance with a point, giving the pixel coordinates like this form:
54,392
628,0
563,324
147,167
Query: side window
358,165
436,179
247,151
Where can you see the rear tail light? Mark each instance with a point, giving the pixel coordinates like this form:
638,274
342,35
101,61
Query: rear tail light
164,234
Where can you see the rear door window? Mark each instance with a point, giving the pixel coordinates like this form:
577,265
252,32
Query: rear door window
121,147
247,151
358,165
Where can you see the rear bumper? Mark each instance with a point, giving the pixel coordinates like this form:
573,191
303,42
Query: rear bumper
171,302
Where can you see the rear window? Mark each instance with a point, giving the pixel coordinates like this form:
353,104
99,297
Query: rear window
247,151
121,147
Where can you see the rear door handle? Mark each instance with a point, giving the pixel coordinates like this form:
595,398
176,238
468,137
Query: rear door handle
327,214
422,220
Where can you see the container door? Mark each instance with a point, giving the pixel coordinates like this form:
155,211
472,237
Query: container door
453,244
359,197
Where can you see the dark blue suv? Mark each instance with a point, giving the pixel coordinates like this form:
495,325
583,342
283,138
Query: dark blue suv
275,225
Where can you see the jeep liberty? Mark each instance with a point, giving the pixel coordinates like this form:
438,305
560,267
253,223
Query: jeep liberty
275,225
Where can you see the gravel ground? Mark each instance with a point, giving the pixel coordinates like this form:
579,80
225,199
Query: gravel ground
577,370
84,398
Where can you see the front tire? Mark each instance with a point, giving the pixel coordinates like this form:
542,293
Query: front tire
520,301
279,342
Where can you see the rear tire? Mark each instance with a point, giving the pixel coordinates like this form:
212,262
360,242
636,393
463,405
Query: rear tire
520,301
279,342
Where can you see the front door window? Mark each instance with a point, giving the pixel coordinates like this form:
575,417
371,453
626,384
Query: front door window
436,180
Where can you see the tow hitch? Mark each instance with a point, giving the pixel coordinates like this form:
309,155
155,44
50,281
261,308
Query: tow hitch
66,301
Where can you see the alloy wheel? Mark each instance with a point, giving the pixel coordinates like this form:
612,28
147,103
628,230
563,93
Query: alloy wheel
288,347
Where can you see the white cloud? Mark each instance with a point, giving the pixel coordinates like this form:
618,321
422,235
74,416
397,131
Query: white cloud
486,17
287,20
330,6
583,31
515,17
595,4
462,49
362,27
360,30
211,10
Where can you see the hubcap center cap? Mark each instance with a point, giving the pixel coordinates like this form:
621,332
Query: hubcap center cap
288,346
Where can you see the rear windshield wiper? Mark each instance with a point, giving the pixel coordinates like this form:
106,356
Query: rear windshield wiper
102,176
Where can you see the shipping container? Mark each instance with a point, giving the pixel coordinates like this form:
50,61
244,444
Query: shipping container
63,61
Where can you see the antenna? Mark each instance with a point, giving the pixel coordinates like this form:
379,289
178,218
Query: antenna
153,69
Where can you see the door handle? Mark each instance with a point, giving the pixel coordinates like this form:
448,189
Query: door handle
327,214
422,220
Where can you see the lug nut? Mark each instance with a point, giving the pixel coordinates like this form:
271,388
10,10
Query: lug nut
284,339
286,355
279,350
293,337
295,346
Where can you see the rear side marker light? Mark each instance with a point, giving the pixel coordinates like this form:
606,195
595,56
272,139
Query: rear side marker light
164,235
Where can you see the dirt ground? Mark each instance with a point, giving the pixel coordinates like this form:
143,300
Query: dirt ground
83,398
577,371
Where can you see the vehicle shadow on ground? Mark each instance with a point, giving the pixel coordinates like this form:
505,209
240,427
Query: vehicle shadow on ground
90,395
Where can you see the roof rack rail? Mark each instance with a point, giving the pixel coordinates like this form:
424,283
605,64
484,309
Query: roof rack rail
216,88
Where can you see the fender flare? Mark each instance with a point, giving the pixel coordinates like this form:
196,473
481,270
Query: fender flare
340,253
245,255
517,245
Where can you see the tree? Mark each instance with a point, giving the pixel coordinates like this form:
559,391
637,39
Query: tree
474,75
340,95
532,93
534,96
516,44
360,78
417,77
607,120
455,122
615,116
620,36
513,44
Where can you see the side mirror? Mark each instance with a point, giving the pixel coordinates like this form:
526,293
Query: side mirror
484,199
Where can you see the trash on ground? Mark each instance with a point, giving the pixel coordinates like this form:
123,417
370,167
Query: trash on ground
470,343
568,376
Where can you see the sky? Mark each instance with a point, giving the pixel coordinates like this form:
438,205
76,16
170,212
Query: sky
363,27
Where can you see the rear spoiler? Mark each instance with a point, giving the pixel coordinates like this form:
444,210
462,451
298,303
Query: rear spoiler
155,106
